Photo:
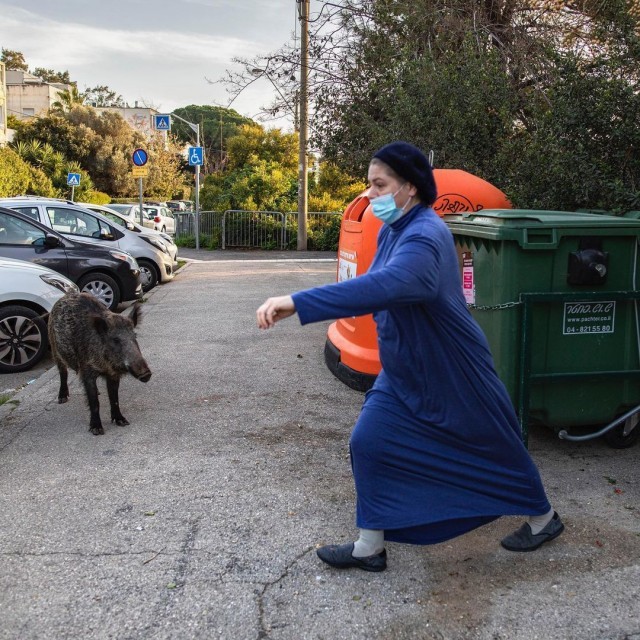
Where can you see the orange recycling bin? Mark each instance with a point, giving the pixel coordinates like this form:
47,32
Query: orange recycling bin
351,349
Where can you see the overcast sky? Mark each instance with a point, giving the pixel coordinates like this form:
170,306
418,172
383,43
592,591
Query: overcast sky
157,52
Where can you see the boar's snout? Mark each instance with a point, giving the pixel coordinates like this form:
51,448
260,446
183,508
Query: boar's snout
140,370
144,376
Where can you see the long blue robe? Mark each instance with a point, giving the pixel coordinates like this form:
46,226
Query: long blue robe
437,449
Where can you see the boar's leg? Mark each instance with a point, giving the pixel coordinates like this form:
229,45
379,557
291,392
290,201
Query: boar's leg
91,388
113,384
63,393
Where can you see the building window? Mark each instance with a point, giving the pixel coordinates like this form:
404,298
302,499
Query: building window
28,112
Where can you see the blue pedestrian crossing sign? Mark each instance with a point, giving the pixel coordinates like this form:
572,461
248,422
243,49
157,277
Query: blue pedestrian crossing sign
196,156
73,179
162,122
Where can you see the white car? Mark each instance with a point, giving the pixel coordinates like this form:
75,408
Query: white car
27,293
162,218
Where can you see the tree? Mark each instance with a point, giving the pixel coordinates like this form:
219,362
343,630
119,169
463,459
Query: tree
166,177
474,80
262,174
13,122
18,177
49,75
100,145
72,142
333,189
584,151
102,96
13,60
67,99
217,126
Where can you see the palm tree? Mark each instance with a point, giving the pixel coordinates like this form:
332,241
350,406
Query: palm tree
67,99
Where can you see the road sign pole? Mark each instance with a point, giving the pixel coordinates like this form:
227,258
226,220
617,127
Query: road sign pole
140,190
197,191
73,190
200,159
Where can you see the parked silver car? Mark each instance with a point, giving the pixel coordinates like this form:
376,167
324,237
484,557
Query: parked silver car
131,212
163,240
73,220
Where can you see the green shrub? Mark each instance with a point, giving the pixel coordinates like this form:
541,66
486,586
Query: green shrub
189,241
323,233
96,197
15,175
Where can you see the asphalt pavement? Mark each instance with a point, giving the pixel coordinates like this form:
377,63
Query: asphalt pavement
200,519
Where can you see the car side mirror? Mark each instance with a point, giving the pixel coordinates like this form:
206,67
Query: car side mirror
130,226
51,242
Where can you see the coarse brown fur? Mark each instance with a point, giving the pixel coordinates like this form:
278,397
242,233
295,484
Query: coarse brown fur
88,338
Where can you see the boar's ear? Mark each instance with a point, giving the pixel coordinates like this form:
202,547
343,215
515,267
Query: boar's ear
136,313
99,324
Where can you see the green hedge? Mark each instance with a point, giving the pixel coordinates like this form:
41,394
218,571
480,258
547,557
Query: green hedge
17,177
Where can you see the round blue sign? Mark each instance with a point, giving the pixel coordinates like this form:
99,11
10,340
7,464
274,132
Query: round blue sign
140,157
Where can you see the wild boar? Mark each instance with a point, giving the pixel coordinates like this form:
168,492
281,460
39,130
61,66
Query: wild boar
88,338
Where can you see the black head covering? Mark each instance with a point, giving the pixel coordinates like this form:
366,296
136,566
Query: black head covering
412,165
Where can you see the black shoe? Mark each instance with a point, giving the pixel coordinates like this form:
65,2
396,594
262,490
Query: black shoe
341,556
524,540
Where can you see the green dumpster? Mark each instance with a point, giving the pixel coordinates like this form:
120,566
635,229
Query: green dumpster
556,295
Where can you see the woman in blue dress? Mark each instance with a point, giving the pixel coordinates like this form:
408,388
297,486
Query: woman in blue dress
436,450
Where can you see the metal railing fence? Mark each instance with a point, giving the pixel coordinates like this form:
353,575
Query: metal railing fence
260,229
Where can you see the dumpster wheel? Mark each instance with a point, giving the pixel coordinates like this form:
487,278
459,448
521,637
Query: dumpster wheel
624,435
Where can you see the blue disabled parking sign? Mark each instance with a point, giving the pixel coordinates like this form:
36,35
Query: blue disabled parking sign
196,156
73,179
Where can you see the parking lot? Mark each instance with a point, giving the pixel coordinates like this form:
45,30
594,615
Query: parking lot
201,518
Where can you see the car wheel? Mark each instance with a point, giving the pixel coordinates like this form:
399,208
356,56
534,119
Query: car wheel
148,275
23,338
102,287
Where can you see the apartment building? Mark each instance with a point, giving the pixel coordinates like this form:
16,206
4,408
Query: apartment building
29,96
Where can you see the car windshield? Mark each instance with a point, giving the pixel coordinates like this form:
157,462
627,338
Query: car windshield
121,208
120,221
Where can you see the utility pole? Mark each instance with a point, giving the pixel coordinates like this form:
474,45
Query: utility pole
303,180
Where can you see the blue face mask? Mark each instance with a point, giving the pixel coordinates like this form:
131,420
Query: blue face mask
384,207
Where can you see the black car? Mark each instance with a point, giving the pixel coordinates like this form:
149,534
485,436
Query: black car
111,275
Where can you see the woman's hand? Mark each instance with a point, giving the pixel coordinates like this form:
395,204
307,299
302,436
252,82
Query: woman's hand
274,309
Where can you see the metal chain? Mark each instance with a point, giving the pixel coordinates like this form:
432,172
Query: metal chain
504,305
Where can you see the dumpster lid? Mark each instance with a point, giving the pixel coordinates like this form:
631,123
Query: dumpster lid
518,218
538,229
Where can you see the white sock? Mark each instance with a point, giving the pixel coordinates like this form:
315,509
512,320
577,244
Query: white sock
370,543
538,523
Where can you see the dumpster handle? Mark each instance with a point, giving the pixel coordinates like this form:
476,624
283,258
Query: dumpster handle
563,435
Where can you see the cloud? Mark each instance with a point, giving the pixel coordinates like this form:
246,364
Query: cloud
54,44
